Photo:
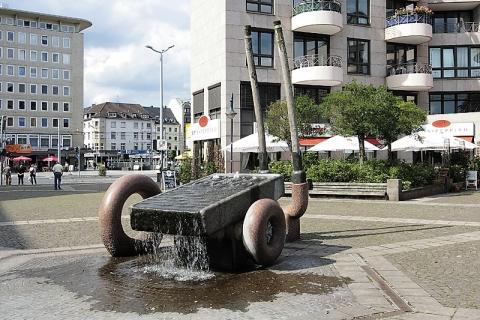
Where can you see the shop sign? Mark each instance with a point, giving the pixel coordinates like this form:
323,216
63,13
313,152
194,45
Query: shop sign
205,129
19,148
446,127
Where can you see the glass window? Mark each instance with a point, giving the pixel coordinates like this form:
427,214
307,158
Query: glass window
455,62
55,74
66,43
10,53
45,73
33,89
22,71
10,87
45,40
33,105
22,88
66,122
55,90
33,55
56,42
66,58
22,54
45,56
262,6
55,123
55,106
358,11
10,70
44,122
22,38
66,74
33,122
55,57
33,39
21,121
66,91
21,105
444,103
358,56
44,89
10,36
262,46
45,142
310,44
44,105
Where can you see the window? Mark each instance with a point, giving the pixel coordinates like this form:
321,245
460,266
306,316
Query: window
113,124
21,122
44,40
10,53
33,141
114,146
269,92
44,122
113,135
66,107
22,139
9,121
22,71
33,105
358,11
55,106
55,123
66,123
123,124
33,55
55,57
122,146
122,135
44,88
22,38
45,141
44,105
358,56
10,70
54,141
66,74
56,42
455,62
453,22
33,39
262,45
66,142
454,102
55,74
1,51
44,56
262,6
45,73
55,90
66,91
10,104
311,44
10,36
22,88
66,43
33,122
10,87
21,105
66,58
22,54
33,89
135,125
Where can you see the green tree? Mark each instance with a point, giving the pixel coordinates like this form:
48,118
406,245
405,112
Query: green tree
395,117
277,118
352,112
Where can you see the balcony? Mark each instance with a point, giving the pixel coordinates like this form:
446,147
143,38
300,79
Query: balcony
453,5
409,28
464,27
410,77
317,70
318,16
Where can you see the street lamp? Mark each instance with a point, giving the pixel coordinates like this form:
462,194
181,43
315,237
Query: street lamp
230,113
161,52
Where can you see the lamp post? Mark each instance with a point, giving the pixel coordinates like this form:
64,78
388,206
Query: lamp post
58,142
230,113
161,52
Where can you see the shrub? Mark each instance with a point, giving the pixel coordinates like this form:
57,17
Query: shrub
185,174
102,170
284,168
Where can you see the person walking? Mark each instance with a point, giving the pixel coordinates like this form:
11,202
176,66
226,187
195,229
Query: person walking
7,171
57,175
20,173
33,174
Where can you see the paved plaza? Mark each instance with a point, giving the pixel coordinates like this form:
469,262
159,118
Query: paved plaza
356,259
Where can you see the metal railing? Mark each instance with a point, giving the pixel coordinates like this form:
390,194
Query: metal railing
408,18
457,27
317,5
315,60
407,68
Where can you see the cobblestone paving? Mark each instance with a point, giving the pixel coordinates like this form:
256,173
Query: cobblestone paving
451,274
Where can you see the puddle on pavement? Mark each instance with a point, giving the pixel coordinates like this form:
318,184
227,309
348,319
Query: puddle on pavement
133,285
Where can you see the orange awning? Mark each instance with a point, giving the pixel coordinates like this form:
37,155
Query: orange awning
373,141
310,142
466,138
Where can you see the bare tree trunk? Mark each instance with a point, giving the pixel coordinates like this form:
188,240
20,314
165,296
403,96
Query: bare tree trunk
390,154
361,144
298,172
262,153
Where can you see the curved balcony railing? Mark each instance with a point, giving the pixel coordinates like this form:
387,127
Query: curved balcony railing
317,5
315,60
408,68
408,18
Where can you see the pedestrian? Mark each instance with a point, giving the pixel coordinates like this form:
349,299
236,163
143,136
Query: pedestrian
20,173
7,171
57,175
33,174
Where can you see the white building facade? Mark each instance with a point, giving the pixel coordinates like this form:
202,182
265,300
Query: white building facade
433,60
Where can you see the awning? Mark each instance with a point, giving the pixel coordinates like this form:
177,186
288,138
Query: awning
466,138
373,141
309,142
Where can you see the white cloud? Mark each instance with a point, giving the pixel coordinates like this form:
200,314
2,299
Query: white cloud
118,67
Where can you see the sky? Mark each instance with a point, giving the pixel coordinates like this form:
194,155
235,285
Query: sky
118,67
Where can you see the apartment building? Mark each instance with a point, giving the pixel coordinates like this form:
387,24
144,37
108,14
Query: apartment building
432,59
41,79
113,126
181,109
172,129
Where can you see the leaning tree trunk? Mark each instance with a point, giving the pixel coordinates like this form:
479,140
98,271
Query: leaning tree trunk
361,144
390,153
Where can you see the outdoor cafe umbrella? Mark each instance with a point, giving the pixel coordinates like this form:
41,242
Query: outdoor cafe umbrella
250,144
50,158
422,140
341,143
22,158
